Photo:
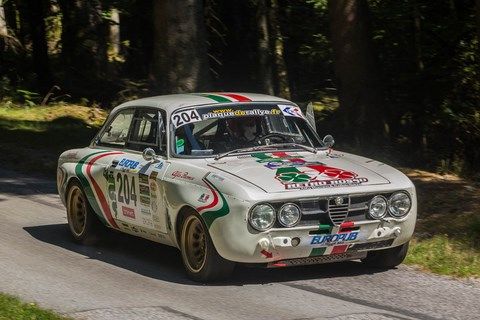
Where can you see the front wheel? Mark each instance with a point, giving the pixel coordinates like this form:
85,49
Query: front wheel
200,258
82,221
386,258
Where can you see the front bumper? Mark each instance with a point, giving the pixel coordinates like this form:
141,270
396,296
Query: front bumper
351,239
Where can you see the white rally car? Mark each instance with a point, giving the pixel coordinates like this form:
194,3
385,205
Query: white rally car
235,178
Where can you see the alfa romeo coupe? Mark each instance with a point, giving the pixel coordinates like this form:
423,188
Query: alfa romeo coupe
235,178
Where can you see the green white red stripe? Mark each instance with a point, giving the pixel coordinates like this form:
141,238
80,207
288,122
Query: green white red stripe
209,215
223,97
102,210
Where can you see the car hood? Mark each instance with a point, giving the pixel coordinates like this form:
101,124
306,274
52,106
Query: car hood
293,171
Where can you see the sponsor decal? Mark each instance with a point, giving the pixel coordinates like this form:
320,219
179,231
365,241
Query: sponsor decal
145,190
128,212
145,211
317,176
143,178
181,175
147,223
334,239
203,198
153,175
145,200
159,165
184,117
280,157
290,111
326,184
128,164
294,172
232,112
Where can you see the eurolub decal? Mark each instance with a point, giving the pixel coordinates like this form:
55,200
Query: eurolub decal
331,239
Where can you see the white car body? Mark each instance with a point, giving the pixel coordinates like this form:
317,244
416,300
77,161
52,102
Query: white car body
223,192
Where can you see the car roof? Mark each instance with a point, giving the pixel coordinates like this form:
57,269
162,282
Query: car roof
172,102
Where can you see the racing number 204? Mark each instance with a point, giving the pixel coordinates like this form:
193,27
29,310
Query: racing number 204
184,117
126,190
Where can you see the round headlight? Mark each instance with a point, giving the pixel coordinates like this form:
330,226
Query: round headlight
399,204
377,208
262,217
289,215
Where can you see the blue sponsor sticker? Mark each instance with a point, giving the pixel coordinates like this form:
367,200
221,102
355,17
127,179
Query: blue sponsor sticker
331,239
127,163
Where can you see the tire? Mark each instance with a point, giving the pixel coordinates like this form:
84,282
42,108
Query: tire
83,223
386,258
200,258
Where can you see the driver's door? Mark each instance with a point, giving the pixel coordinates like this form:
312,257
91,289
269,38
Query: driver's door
136,181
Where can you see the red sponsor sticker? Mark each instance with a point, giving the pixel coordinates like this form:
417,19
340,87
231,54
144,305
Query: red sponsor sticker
128,212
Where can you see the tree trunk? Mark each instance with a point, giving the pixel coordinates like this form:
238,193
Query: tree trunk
33,12
115,32
84,40
357,75
3,22
477,5
281,73
139,35
264,56
180,61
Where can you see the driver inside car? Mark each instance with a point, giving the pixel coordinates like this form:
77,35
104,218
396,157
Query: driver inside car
243,130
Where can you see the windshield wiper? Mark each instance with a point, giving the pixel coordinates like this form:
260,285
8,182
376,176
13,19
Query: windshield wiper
221,155
294,144
268,146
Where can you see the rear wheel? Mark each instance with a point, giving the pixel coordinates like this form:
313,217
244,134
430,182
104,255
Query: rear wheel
83,224
386,258
200,258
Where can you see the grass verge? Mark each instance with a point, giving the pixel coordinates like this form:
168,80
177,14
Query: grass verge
12,308
32,138
447,236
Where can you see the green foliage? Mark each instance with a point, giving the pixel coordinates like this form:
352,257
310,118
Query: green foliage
443,255
13,308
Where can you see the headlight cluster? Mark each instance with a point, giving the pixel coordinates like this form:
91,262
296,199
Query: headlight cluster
263,216
397,205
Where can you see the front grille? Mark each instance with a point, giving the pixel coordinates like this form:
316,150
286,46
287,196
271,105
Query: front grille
324,210
338,209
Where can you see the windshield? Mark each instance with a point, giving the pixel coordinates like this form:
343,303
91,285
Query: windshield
208,131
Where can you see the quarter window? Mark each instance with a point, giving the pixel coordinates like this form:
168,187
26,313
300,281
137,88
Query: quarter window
115,134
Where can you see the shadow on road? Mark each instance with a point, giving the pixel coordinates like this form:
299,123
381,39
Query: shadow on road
16,183
164,262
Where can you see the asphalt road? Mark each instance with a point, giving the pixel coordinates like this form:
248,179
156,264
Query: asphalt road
128,278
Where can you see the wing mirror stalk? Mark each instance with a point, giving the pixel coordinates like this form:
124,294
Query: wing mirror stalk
150,155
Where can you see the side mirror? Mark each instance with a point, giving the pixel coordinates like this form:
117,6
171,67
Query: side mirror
149,154
328,141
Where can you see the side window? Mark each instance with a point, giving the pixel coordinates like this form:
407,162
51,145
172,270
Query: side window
145,131
116,133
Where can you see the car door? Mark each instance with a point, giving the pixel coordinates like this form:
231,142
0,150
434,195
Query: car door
138,192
